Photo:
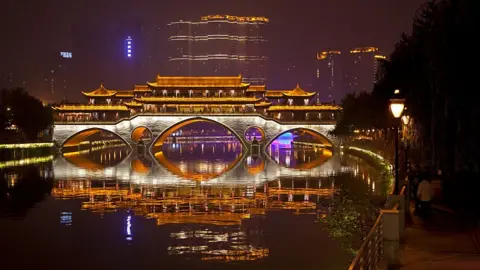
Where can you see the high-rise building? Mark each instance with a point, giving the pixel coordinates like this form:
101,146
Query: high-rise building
219,45
329,76
58,77
360,69
339,73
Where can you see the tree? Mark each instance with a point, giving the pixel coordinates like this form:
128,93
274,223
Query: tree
28,113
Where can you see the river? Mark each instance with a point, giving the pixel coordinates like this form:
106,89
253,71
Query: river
198,205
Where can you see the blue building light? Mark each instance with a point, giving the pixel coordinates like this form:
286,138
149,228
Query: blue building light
128,47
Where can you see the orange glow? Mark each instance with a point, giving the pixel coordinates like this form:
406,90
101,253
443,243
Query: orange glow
364,50
76,139
262,104
324,55
100,92
234,18
182,82
257,88
192,176
167,133
90,108
254,170
198,99
279,108
137,133
139,167
298,92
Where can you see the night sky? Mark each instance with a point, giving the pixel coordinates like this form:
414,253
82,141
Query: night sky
35,31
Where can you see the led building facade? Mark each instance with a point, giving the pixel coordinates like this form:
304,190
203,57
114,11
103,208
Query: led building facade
129,47
219,45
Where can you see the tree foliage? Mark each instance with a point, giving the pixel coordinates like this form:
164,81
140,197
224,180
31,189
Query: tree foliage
27,112
430,67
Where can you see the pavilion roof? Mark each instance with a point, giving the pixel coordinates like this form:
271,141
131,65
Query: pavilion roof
198,82
298,92
100,92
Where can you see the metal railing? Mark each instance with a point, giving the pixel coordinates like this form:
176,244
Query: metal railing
371,252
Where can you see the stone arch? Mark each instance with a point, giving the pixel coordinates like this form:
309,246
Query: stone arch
323,138
158,142
137,132
262,132
76,138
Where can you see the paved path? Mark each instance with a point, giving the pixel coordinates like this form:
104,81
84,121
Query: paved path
446,240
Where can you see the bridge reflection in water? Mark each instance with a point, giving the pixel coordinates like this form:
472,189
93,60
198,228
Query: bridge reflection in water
199,183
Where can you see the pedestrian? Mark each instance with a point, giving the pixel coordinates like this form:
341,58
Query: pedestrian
425,195
414,181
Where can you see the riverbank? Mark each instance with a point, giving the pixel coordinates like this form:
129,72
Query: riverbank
18,151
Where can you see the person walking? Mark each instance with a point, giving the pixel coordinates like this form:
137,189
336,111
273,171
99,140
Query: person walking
425,195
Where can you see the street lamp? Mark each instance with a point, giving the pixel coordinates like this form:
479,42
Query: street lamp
397,105
406,119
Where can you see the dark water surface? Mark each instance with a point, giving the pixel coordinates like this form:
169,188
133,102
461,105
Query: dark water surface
190,206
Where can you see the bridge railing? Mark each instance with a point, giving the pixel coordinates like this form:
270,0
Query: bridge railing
284,122
382,242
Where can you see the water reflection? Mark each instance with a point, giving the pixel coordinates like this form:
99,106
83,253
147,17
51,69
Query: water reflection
21,189
200,161
197,201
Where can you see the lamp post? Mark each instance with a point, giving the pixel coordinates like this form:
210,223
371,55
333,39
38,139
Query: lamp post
397,105
406,121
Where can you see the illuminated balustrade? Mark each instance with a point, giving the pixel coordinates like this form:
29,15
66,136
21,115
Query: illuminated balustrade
26,145
25,161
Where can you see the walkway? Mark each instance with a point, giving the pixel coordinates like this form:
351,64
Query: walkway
447,240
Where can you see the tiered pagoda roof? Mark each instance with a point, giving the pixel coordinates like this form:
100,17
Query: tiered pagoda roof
177,82
298,92
101,92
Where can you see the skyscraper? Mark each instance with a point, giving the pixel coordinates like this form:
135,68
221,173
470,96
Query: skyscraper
339,73
329,76
219,45
360,69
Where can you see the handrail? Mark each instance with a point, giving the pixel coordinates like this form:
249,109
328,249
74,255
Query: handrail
364,259
376,233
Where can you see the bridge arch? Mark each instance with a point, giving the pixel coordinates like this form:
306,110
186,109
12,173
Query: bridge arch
321,137
136,134
80,136
259,129
160,139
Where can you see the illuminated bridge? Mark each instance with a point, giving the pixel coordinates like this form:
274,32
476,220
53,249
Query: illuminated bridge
130,130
